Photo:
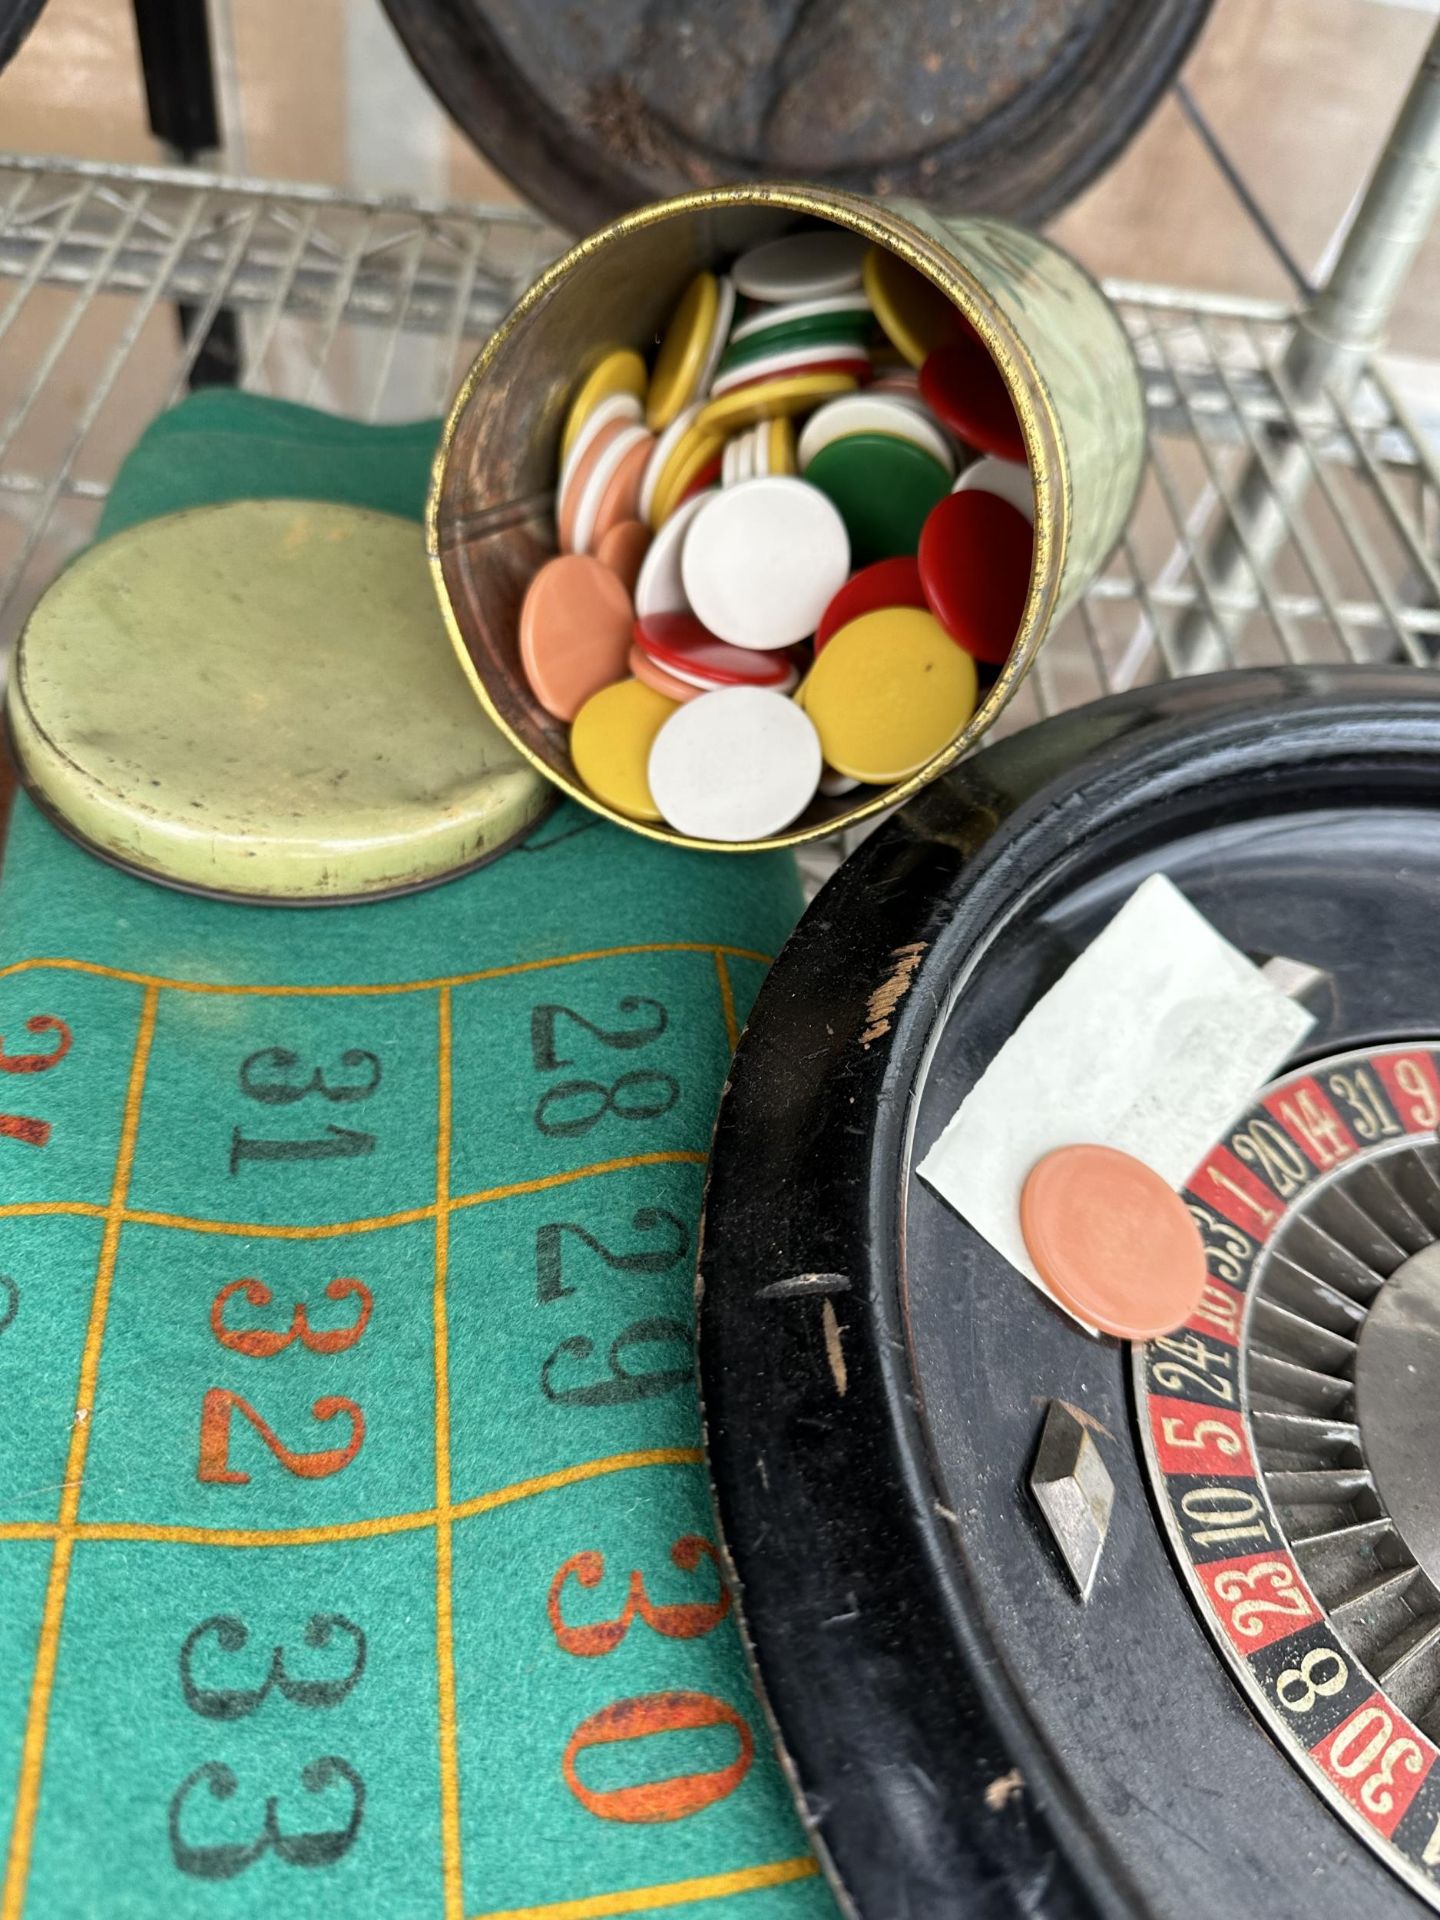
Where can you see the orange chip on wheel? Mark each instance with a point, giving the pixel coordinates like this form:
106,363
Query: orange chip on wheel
1112,1241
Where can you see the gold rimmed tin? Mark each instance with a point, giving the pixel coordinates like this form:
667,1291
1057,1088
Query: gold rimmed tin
489,520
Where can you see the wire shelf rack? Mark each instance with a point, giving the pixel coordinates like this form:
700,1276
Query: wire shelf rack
1268,530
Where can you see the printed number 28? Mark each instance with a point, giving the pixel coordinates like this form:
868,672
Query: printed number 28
573,1107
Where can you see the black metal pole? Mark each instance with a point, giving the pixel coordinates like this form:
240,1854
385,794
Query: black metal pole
179,74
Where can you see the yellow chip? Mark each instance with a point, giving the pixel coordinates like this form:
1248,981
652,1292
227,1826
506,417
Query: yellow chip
693,452
800,693
791,393
610,744
621,371
683,352
782,445
915,314
888,692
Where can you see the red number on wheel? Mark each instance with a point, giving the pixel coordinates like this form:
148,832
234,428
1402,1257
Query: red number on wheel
678,1796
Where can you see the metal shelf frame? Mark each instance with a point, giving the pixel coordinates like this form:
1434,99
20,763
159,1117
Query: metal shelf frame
1291,510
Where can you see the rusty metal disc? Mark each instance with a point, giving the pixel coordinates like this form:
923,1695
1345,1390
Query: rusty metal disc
592,110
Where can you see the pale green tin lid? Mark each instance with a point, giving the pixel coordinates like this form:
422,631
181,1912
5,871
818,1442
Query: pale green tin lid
259,699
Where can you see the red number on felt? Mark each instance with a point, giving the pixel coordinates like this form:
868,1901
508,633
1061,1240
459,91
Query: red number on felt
38,1062
678,1620
637,1718
219,1403
261,1342
17,1126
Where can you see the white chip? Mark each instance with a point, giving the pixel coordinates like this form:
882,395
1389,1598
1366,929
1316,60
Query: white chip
619,406
791,360
719,334
1006,479
760,449
664,446
872,413
763,560
605,469
737,764
801,266
659,587
745,457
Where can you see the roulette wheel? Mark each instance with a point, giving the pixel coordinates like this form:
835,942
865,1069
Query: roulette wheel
1056,1625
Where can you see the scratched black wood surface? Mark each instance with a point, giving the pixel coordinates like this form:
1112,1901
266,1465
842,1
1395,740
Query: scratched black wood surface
974,107
965,1736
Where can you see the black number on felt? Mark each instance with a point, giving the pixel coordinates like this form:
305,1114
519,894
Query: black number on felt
283,1092
622,1386
10,1302
568,1091
232,1635
337,1143
542,1030
312,1849
550,1250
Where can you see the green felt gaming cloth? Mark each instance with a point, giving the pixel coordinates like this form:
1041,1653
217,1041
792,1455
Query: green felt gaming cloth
356,1555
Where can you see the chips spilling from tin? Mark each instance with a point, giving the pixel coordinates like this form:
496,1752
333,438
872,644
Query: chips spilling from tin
806,529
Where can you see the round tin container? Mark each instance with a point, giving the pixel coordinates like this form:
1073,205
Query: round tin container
255,701
1063,353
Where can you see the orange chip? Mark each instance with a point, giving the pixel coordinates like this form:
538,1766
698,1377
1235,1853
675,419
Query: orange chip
622,548
1112,1241
575,626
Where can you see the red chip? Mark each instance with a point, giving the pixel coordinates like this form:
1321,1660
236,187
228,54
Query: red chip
887,583
963,387
976,552
678,643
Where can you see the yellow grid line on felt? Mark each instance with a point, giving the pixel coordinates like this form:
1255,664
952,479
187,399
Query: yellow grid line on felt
64,965
450,1839
727,1000
674,1893
373,1529
373,1223
47,1650
68,1529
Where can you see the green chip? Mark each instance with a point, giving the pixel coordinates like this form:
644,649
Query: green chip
849,328
884,487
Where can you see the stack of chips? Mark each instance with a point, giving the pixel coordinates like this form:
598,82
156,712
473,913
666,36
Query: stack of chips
788,548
